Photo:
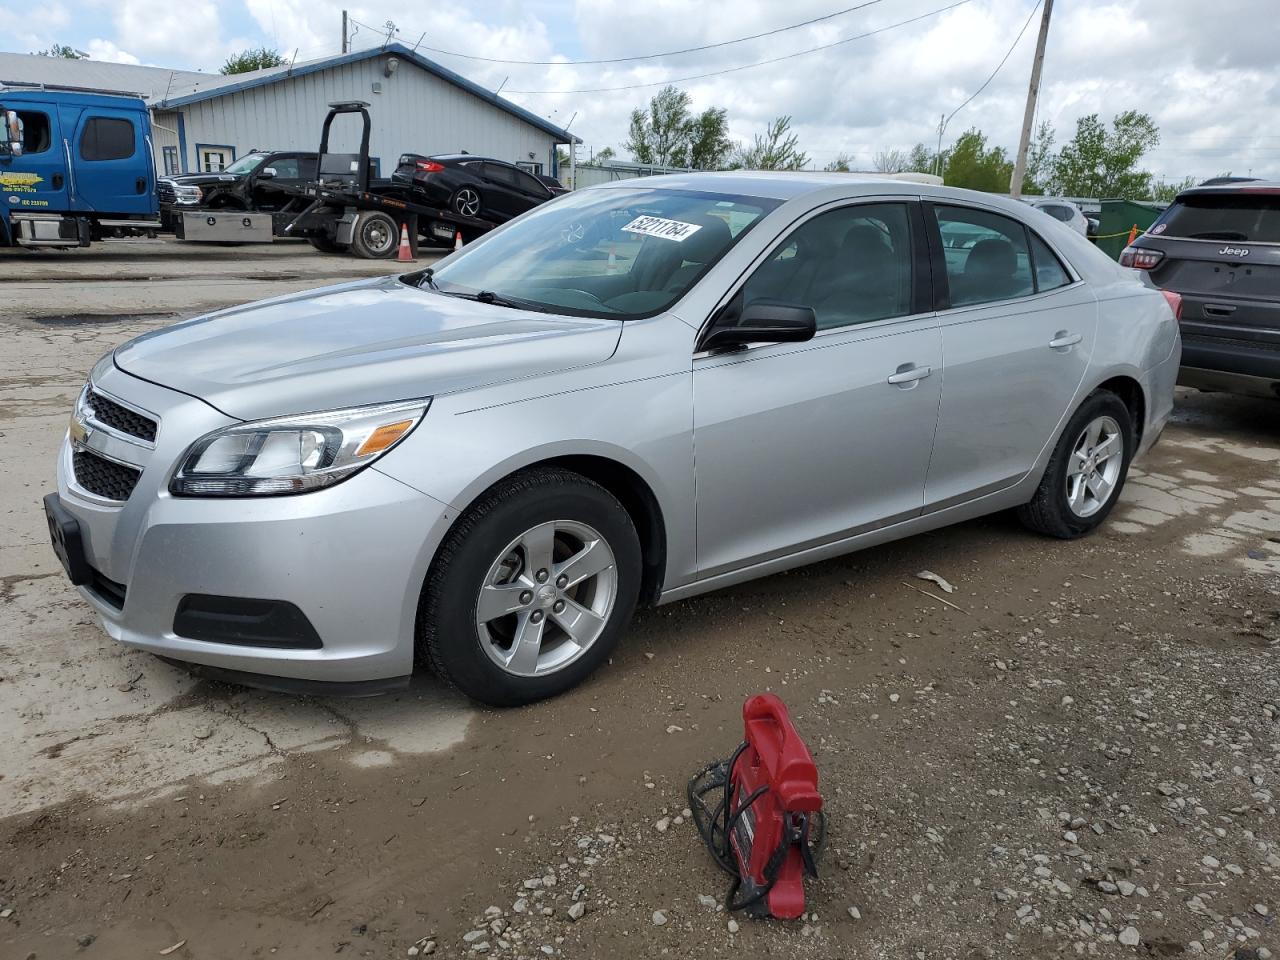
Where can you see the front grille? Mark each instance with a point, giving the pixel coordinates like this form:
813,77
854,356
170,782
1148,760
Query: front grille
165,191
108,591
122,418
102,477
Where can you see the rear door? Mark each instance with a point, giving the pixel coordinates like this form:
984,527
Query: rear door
37,180
1222,253
114,171
1017,334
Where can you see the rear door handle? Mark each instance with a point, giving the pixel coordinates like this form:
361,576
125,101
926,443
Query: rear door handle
1218,310
1062,339
909,373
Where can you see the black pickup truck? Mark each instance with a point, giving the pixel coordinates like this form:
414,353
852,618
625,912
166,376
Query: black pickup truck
261,181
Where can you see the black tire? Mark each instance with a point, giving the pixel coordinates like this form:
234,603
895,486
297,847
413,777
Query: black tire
447,639
1049,512
467,202
376,236
325,243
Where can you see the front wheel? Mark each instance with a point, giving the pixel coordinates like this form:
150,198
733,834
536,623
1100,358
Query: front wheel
1086,472
531,590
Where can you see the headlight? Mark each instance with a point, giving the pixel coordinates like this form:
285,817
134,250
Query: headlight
293,454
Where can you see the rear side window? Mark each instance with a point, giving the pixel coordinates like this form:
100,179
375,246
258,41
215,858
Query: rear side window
1058,212
1239,217
1050,273
106,138
987,256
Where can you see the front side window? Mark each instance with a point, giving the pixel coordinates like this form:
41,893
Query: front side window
623,252
286,168
246,164
986,255
106,138
500,174
36,135
852,265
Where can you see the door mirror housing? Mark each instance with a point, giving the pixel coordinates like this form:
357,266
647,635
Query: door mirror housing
763,321
267,173
12,133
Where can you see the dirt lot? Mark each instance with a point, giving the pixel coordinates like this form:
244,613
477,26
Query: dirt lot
1079,760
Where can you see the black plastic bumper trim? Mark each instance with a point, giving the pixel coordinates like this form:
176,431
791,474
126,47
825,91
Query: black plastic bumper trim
1231,357
294,685
244,622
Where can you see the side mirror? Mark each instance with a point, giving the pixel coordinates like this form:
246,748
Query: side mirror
267,173
13,132
764,321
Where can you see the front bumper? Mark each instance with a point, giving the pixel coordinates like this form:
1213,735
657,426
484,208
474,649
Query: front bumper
351,558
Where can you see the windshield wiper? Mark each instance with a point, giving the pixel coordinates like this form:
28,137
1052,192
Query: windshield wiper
497,300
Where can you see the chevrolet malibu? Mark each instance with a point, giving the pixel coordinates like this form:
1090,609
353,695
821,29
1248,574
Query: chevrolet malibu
637,393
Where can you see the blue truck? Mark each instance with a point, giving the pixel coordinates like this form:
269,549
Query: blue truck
75,167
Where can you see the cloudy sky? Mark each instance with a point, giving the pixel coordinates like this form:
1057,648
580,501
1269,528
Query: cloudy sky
1207,71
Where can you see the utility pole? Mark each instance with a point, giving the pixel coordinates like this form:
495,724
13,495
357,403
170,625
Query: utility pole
1033,93
344,31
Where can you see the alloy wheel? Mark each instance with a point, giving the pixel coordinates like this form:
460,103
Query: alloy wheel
1093,469
546,598
467,202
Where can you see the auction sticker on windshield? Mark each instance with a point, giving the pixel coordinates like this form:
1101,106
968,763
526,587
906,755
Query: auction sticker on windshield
666,229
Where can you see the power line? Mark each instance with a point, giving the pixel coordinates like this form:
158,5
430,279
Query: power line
657,56
1003,61
758,63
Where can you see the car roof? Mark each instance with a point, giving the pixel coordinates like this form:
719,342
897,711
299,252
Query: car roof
462,156
1242,187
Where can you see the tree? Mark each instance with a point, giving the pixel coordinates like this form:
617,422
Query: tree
253,59
1040,160
971,164
890,161
841,164
1103,163
604,155
1164,191
775,149
668,134
920,159
61,50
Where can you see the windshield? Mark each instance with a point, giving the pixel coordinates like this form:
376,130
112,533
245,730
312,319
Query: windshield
246,164
624,253
1242,217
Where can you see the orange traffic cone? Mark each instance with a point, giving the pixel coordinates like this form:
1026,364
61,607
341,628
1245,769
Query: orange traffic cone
1133,234
457,240
406,250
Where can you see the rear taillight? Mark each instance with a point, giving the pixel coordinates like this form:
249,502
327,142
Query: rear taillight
429,166
1175,303
1140,258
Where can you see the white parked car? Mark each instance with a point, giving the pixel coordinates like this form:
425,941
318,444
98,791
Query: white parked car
1063,210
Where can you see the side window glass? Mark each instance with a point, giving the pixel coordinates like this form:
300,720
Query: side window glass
500,174
852,265
986,254
1050,273
106,138
530,184
36,137
307,168
286,168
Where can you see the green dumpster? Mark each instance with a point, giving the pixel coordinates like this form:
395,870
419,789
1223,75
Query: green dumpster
1118,218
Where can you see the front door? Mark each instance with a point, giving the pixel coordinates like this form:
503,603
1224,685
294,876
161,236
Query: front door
114,167
501,197
798,445
1017,337
37,180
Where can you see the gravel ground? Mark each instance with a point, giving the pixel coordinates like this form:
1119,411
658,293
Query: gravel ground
1077,758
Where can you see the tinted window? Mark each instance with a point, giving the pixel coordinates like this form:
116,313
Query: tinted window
500,174
530,184
1241,217
986,254
1059,212
106,138
307,168
1050,273
286,168
35,131
852,265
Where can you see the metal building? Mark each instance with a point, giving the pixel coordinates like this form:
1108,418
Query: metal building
203,122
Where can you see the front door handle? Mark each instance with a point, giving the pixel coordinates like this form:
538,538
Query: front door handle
57,181
1062,339
908,374
140,185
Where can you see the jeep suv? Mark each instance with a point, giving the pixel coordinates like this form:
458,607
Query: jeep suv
1219,247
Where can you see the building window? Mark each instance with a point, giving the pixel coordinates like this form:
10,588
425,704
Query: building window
213,158
529,166
170,161
106,138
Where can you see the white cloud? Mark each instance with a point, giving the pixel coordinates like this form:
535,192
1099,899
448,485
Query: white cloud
99,49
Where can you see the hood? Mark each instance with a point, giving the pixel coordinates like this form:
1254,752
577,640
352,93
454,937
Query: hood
203,179
365,342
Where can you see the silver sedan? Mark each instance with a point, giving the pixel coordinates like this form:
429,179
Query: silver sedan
634,394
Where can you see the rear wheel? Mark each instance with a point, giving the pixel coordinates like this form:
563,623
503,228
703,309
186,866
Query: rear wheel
531,590
1086,472
325,243
376,236
466,201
